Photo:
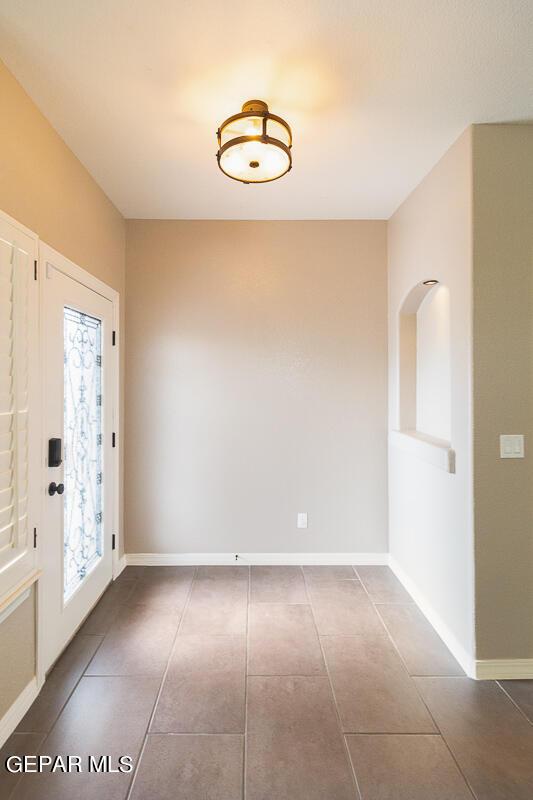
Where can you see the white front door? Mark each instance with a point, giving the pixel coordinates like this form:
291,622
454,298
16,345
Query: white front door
78,411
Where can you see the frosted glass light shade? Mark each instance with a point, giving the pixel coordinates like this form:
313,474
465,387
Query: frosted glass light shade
254,162
254,146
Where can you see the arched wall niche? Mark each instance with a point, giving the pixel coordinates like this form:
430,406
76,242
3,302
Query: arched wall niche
424,363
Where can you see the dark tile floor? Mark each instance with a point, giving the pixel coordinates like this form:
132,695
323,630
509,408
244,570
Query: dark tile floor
272,683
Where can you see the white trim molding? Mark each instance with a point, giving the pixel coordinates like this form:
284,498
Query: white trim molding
21,588
16,711
19,599
464,658
504,669
434,451
282,559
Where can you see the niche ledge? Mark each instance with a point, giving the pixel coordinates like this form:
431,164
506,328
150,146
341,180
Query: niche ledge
434,451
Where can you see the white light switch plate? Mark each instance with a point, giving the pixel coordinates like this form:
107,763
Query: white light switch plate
302,519
512,445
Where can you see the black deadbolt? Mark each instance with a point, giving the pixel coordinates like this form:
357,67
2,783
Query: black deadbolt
54,488
54,452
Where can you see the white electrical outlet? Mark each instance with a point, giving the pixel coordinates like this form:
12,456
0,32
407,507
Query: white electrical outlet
302,519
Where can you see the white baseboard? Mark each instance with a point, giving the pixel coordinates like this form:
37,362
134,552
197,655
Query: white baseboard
464,658
14,714
504,669
207,559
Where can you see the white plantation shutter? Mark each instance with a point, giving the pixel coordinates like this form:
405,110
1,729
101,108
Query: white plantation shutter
18,360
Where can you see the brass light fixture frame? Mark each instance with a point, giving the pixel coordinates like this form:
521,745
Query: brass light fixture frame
255,108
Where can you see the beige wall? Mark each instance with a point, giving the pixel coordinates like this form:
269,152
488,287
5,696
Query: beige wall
17,652
45,187
256,386
430,510
503,383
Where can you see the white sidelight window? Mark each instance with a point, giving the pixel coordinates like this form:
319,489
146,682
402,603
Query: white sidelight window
19,406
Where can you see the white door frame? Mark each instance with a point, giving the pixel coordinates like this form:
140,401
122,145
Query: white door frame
73,271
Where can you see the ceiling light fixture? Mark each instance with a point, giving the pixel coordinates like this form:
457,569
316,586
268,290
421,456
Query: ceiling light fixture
430,282
255,145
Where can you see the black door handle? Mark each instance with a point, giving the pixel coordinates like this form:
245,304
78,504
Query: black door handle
54,488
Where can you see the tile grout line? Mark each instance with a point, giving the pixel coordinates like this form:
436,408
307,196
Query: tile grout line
194,733
245,737
122,604
276,603
81,675
287,675
392,733
145,738
395,603
389,634
513,701
337,714
391,637
376,604
452,754
439,732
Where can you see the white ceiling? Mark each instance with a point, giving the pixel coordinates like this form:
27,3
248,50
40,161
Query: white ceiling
375,90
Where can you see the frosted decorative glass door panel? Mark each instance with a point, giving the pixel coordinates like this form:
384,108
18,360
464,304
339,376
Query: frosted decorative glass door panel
83,439
80,369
